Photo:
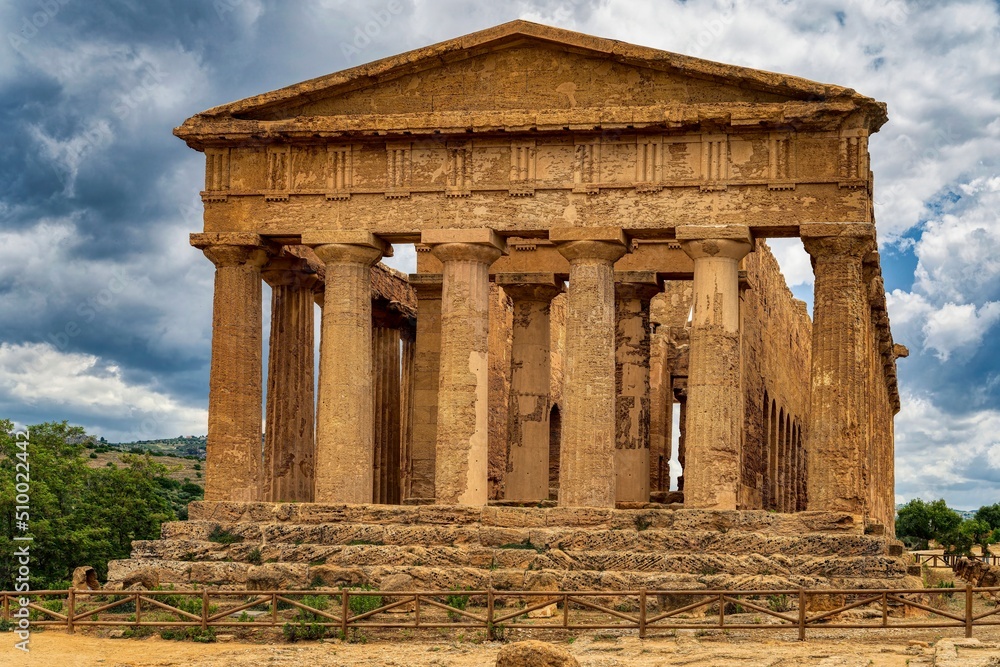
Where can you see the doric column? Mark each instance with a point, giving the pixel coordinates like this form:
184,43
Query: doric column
714,411
406,383
461,463
289,432
345,411
233,458
385,375
587,452
633,291
529,405
837,417
661,402
426,378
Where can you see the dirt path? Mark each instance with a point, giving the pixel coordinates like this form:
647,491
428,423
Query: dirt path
57,649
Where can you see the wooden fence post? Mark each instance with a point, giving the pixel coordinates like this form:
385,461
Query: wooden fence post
642,613
204,609
802,614
70,610
968,610
345,609
490,634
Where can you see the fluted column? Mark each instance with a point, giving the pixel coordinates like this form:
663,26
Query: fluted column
345,412
837,417
587,452
529,405
714,410
233,458
461,462
289,432
385,375
633,291
426,380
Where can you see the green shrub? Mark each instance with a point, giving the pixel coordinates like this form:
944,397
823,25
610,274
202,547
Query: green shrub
320,602
254,556
779,603
294,632
459,602
194,634
361,604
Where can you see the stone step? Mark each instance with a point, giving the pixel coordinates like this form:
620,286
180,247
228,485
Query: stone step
300,576
758,521
520,557
567,539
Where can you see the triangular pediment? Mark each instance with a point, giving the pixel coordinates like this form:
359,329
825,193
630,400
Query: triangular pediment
522,66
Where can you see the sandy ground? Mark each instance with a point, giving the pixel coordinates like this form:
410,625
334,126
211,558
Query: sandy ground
54,648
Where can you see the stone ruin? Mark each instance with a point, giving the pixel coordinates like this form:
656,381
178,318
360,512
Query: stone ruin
590,219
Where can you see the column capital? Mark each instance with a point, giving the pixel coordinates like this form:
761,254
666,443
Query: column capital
715,241
359,238
224,256
601,251
286,271
642,285
348,253
542,287
484,253
833,239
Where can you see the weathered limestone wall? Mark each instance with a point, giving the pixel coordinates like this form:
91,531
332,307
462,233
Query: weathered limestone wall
776,361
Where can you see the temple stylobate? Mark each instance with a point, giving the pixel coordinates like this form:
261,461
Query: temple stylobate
590,219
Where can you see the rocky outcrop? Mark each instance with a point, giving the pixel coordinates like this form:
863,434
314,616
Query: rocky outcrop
535,654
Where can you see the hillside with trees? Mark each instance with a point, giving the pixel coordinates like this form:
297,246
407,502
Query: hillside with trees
79,513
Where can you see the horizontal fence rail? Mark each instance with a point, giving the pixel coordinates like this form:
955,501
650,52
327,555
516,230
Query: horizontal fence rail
949,560
497,611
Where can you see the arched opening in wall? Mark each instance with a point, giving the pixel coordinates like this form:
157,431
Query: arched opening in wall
765,453
794,449
555,432
782,457
772,456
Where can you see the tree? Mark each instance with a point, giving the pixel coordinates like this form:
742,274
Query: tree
926,521
989,514
960,540
77,515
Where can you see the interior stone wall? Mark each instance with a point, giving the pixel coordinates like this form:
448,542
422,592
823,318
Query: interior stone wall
777,340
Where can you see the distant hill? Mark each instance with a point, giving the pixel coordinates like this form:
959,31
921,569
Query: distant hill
185,445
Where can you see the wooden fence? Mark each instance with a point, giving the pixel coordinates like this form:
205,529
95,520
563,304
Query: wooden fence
498,611
949,560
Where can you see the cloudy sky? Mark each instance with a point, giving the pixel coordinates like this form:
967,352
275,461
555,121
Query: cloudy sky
105,311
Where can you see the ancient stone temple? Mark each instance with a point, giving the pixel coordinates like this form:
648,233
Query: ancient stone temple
590,219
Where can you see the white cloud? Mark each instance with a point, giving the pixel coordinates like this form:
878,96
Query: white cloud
955,299
83,384
942,454
955,328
